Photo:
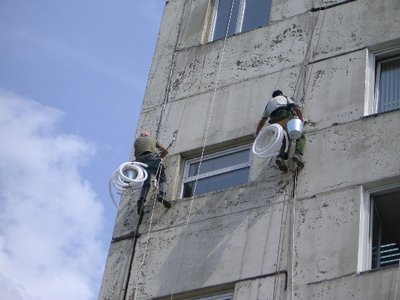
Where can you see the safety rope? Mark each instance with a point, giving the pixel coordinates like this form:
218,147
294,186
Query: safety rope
280,246
295,178
141,264
306,60
211,107
294,197
174,138
212,101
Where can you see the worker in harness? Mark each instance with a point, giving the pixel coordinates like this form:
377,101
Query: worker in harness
280,109
149,151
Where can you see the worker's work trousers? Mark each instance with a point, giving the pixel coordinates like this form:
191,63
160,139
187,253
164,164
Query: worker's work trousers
282,118
155,167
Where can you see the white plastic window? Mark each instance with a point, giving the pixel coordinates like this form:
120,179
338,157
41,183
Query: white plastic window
388,85
383,81
227,296
216,171
234,16
380,228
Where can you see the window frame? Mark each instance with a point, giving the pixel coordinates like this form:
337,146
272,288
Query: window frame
374,59
216,297
238,21
378,79
366,224
189,162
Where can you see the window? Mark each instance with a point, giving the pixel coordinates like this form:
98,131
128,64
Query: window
244,15
227,296
388,85
382,241
216,171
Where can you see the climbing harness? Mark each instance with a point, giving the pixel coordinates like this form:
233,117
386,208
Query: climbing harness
127,179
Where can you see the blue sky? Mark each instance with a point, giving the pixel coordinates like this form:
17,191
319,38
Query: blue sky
72,79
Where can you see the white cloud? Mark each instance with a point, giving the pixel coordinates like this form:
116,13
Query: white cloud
50,218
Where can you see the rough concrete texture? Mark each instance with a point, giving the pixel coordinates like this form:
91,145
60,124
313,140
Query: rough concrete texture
355,25
350,154
164,55
117,271
191,116
200,69
247,238
325,103
269,288
219,204
195,13
380,285
258,228
329,224
283,9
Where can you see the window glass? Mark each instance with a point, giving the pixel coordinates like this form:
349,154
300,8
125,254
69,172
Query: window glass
256,14
389,85
217,182
218,171
215,163
246,15
222,19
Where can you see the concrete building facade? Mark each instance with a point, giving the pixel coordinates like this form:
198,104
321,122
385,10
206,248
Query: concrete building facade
261,233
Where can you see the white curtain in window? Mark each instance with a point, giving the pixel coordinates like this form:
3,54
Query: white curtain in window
389,86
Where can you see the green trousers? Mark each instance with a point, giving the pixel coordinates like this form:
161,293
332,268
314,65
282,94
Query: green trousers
282,117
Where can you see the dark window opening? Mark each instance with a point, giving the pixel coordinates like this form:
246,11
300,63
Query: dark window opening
385,228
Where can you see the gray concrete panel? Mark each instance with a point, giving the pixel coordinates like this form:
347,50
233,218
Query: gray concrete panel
326,236
235,113
355,25
335,91
218,204
127,218
193,23
366,286
268,288
350,154
158,80
209,253
259,52
116,271
282,9
195,17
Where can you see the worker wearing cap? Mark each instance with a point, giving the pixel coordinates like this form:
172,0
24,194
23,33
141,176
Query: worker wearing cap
149,151
280,109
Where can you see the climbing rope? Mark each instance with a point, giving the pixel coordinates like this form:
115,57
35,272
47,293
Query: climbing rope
269,141
141,264
203,146
127,179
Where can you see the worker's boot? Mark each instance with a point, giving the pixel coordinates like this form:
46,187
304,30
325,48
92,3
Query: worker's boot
280,162
298,159
161,198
